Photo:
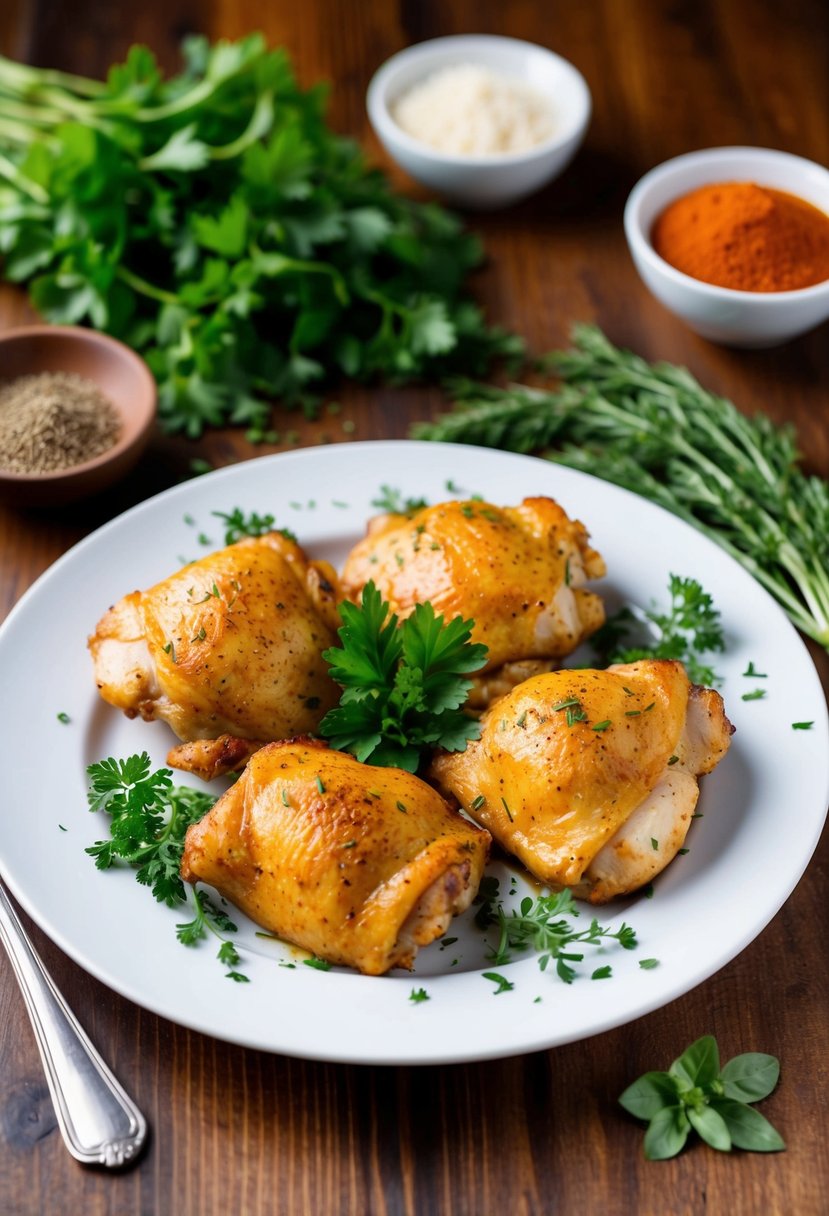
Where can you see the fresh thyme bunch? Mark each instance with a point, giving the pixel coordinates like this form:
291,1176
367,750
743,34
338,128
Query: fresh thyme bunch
653,429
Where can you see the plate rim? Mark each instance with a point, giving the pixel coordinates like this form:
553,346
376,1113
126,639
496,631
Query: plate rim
543,1039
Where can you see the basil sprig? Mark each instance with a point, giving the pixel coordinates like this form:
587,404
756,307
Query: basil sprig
694,1093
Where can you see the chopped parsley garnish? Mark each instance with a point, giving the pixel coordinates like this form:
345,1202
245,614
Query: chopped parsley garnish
648,964
392,502
752,674
756,694
501,982
418,995
238,525
64,717
802,725
319,964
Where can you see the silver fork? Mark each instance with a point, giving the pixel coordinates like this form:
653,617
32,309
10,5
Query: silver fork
99,1122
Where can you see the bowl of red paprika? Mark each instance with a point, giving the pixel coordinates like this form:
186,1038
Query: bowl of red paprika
735,242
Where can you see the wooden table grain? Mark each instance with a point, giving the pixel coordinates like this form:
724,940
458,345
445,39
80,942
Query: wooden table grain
236,1131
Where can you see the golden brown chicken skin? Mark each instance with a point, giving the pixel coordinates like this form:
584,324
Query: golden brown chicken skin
228,651
359,865
578,772
518,572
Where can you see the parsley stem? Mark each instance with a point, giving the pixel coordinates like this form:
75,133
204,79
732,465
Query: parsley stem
144,288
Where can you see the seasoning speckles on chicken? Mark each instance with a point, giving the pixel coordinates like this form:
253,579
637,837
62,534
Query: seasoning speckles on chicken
228,651
518,572
579,772
359,865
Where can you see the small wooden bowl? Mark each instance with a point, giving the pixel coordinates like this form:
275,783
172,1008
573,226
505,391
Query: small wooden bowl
121,376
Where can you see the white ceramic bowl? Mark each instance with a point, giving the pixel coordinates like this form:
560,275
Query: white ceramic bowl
482,182
734,318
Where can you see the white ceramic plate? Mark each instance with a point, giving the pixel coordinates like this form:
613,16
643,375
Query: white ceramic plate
763,808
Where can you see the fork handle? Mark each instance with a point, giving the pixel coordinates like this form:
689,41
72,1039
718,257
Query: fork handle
99,1122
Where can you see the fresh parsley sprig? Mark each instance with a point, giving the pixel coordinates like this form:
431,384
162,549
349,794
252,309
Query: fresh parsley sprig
540,924
403,685
695,1094
689,629
148,820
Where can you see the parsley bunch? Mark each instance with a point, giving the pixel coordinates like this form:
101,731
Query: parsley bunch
215,223
403,685
655,430
540,925
689,628
149,818
694,1093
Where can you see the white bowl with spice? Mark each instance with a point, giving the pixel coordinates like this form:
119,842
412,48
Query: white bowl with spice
754,220
482,120
76,411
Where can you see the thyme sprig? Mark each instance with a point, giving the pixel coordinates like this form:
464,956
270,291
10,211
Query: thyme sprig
654,429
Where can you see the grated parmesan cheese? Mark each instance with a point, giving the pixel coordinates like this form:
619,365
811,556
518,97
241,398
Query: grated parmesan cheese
467,110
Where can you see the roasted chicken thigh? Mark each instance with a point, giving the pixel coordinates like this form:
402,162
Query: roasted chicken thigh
228,651
359,865
518,572
590,777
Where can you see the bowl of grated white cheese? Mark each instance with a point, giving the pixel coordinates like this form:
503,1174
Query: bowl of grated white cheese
482,120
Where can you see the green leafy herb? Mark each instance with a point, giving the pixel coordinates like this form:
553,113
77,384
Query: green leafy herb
753,674
319,964
687,630
64,717
148,819
648,964
502,984
403,686
392,502
216,223
653,429
694,1093
237,525
540,925
756,694
802,725
418,995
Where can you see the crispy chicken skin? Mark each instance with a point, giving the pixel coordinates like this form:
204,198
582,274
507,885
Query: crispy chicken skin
579,806
359,865
226,650
519,572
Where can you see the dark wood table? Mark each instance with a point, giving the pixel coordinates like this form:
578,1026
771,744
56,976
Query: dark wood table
236,1131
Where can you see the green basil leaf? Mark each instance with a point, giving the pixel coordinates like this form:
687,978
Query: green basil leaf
711,1127
666,1134
699,1064
653,1091
750,1077
747,1127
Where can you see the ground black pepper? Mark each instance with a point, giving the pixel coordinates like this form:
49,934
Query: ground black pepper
52,421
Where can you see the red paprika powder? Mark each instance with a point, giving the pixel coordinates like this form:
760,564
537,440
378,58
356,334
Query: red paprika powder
747,237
